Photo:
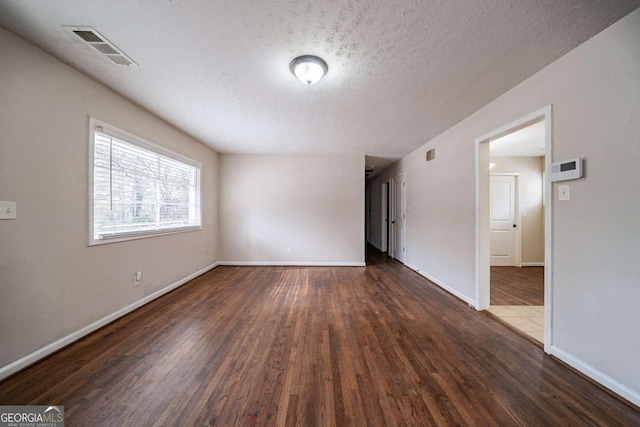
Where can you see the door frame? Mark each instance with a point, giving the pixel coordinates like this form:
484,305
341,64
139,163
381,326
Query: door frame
392,210
517,217
483,255
384,246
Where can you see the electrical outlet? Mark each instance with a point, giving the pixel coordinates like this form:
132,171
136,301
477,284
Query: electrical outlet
290,249
137,278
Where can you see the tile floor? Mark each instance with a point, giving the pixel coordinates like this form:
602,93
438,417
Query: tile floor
528,318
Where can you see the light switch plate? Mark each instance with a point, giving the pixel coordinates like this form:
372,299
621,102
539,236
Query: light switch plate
8,210
563,193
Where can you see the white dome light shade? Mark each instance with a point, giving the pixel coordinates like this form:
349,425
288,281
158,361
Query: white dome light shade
309,69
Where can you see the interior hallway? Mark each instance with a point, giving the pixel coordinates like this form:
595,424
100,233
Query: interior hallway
375,345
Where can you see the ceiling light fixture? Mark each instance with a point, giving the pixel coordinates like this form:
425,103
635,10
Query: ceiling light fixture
309,69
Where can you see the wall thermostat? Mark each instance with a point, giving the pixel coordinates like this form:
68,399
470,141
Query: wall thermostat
566,170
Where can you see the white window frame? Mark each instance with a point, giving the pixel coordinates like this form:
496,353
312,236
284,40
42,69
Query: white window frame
147,145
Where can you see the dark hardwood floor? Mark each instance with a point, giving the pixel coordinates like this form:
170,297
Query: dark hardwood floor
312,346
517,285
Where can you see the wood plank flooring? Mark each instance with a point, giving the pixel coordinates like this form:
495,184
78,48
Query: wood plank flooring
318,346
517,285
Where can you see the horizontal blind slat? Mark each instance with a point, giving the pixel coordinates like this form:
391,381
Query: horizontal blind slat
141,191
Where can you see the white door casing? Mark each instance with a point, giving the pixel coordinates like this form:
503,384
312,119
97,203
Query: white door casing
399,217
502,216
385,217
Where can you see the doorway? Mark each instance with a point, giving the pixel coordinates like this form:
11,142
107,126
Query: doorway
517,229
510,263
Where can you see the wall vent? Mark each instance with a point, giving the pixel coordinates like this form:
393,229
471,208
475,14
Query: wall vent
100,43
431,154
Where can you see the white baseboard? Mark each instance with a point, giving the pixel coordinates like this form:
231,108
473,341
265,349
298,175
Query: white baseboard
533,264
617,387
292,264
31,358
444,286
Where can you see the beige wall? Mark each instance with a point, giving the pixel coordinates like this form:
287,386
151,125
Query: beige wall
313,204
530,182
51,282
595,93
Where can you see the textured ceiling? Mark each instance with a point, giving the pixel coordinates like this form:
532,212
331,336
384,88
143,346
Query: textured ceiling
400,72
526,142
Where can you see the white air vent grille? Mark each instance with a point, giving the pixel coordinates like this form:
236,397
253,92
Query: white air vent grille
101,44
105,48
88,36
119,59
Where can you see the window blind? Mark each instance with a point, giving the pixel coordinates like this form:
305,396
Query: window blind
137,191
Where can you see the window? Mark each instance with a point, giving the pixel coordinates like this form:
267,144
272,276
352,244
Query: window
139,189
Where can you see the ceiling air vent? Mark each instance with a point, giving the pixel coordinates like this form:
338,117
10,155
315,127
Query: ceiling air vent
101,44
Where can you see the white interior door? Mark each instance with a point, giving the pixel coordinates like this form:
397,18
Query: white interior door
502,210
399,217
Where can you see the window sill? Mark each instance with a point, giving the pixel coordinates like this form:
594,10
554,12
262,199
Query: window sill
124,237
